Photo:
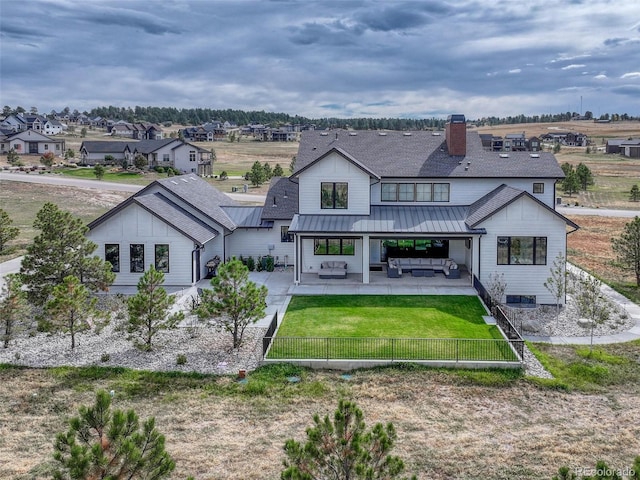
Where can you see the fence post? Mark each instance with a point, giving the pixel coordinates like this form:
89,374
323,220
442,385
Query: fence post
393,344
327,340
457,354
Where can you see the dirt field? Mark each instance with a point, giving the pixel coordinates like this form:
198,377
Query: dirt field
446,427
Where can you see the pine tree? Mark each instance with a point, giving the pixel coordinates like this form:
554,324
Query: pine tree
149,309
257,174
584,175
111,444
343,449
292,165
627,247
14,308
7,231
235,300
13,158
268,172
634,194
556,283
277,171
61,249
99,171
70,308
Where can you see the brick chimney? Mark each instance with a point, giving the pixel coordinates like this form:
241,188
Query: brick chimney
456,135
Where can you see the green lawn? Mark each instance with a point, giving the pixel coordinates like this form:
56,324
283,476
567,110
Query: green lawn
121,177
376,326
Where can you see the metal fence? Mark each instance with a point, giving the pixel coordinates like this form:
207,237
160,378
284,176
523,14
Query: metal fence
268,336
502,320
403,349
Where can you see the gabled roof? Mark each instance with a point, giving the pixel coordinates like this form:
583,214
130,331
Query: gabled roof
97,146
281,202
31,133
346,155
177,217
190,189
150,146
500,198
420,154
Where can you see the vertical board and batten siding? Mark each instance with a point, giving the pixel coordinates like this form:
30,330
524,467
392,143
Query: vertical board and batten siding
465,191
252,242
334,168
134,225
180,158
522,218
311,263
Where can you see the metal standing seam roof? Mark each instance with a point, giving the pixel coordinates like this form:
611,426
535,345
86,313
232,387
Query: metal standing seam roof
247,217
177,217
389,219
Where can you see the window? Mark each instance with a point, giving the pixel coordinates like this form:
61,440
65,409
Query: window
136,257
165,157
112,255
440,192
538,188
521,299
285,236
192,155
46,146
334,246
406,192
334,195
389,192
162,257
522,250
414,192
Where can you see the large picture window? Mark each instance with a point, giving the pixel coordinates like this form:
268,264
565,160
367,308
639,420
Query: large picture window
414,192
112,255
162,258
522,250
334,195
136,257
334,246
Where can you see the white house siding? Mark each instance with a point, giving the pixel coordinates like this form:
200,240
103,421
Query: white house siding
522,218
311,263
334,168
134,225
465,191
180,158
251,242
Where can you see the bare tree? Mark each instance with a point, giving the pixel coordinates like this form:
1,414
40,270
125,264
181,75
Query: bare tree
592,304
495,288
556,284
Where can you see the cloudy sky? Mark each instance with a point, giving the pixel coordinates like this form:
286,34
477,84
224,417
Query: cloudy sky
347,58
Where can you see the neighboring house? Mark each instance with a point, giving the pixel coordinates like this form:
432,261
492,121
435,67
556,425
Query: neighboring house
286,133
53,127
628,148
368,197
170,152
14,123
570,139
136,131
30,142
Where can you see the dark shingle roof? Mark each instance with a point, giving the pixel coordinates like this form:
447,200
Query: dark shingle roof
285,193
98,146
172,214
200,195
423,154
148,146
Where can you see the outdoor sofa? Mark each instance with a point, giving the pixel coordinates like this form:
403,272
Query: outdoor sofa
448,266
333,269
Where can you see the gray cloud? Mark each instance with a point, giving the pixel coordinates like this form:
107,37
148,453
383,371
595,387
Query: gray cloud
359,57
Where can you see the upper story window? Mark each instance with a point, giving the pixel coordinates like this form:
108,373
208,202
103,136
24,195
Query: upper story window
538,187
522,250
415,192
192,155
334,195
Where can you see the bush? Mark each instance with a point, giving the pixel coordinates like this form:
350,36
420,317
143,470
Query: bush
224,175
159,169
181,359
268,263
259,265
251,263
105,357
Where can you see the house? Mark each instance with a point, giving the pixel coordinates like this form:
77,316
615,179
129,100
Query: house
14,123
53,127
626,147
136,131
30,142
363,198
570,139
168,152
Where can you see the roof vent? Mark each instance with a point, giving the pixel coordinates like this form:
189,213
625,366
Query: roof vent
174,182
323,134
382,134
407,134
504,155
353,134
184,180
436,134
534,155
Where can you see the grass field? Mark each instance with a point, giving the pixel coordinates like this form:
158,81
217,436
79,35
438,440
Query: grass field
388,327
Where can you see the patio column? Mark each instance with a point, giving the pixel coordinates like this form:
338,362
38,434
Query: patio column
365,259
296,259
